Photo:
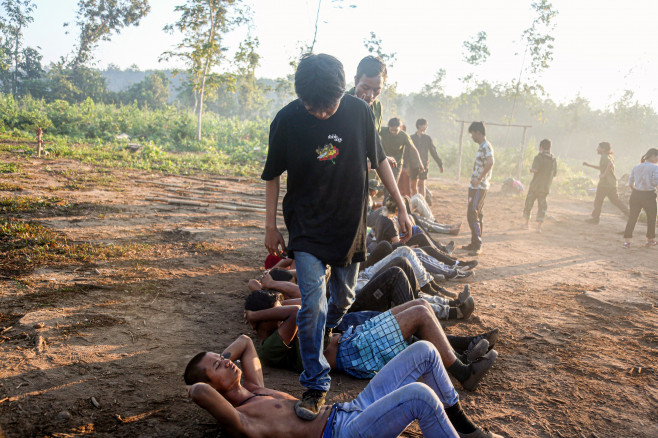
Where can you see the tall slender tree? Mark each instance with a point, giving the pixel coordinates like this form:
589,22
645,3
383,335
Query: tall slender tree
203,24
99,19
19,15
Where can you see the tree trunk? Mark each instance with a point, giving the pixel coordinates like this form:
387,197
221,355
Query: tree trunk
198,128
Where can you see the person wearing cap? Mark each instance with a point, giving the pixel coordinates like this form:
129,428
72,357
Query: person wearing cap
373,189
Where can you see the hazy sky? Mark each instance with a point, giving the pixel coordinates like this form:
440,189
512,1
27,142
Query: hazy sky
602,47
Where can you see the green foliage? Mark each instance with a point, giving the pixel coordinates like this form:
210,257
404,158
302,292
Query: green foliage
374,46
99,19
10,167
28,204
152,92
203,24
476,51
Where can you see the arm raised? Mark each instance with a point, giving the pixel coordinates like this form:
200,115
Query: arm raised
212,401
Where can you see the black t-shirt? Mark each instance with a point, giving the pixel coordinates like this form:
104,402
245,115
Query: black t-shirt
326,203
385,229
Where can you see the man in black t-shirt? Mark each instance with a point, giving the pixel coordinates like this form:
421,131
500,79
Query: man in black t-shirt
324,141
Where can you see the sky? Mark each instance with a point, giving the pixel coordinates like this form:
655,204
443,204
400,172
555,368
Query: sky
602,48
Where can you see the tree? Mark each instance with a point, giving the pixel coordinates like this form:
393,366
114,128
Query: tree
476,51
203,24
152,92
99,19
374,46
18,17
249,93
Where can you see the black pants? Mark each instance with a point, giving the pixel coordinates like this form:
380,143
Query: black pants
393,285
642,200
385,248
542,206
474,214
613,196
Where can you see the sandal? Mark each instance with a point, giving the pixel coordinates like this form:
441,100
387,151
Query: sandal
650,243
626,245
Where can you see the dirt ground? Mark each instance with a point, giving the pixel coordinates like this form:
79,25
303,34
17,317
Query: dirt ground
578,353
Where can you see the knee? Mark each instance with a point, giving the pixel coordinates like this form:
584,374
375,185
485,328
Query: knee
420,392
425,350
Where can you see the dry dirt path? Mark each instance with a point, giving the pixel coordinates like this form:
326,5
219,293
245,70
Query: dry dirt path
576,313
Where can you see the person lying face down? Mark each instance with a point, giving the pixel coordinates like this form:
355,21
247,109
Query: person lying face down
241,403
363,349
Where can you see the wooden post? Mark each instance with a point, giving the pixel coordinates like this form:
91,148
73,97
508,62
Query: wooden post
459,158
518,173
39,141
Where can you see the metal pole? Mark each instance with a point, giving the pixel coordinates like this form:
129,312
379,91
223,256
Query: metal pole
518,176
459,158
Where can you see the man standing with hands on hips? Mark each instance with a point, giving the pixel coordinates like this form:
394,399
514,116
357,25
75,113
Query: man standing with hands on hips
477,190
324,140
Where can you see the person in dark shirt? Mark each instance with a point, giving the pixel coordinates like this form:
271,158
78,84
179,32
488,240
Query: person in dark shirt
544,168
324,140
425,147
607,185
395,141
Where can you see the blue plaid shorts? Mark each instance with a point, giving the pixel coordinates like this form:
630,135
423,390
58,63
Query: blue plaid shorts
364,349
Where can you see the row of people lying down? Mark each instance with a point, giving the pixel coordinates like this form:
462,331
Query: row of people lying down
417,208
370,338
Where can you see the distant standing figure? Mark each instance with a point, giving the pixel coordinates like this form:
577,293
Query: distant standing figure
477,190
425,146
544,168
394,142
643,180
607,185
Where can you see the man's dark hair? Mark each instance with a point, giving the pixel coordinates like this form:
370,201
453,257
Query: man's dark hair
545,144
479,127
262,299
193,372
394,122
607,147
653,152
420,122
371,66
320,81
280,274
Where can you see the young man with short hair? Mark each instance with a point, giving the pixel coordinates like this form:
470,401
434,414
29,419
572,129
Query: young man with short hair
368,84
544,169
391,401
479,186
324,140
425,146
395,141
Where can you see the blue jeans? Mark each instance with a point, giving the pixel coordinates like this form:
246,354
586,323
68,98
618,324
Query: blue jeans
393,398
316,313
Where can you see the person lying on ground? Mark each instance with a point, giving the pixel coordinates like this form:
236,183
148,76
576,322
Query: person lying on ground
423,260
361,351
279,280
396,284
239,401
387,229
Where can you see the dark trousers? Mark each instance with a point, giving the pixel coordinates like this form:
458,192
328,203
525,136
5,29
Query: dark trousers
474,214
388,288
542,206
613,196
385,248
642,200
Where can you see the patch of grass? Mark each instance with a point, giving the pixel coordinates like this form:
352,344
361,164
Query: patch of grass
29,204
26,245
9,187
10,167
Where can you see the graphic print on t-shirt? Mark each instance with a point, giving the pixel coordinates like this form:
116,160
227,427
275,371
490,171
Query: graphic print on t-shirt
329,151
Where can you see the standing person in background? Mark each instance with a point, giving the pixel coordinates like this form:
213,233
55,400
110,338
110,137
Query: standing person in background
607,185
368,83
395,141
479,186
643,180
324,141
544,168
425,146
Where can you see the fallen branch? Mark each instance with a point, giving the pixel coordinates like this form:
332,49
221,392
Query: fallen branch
177,201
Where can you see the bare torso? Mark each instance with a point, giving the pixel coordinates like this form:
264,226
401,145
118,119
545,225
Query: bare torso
273,416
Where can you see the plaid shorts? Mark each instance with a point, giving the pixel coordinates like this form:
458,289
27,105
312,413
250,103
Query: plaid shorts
364,349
